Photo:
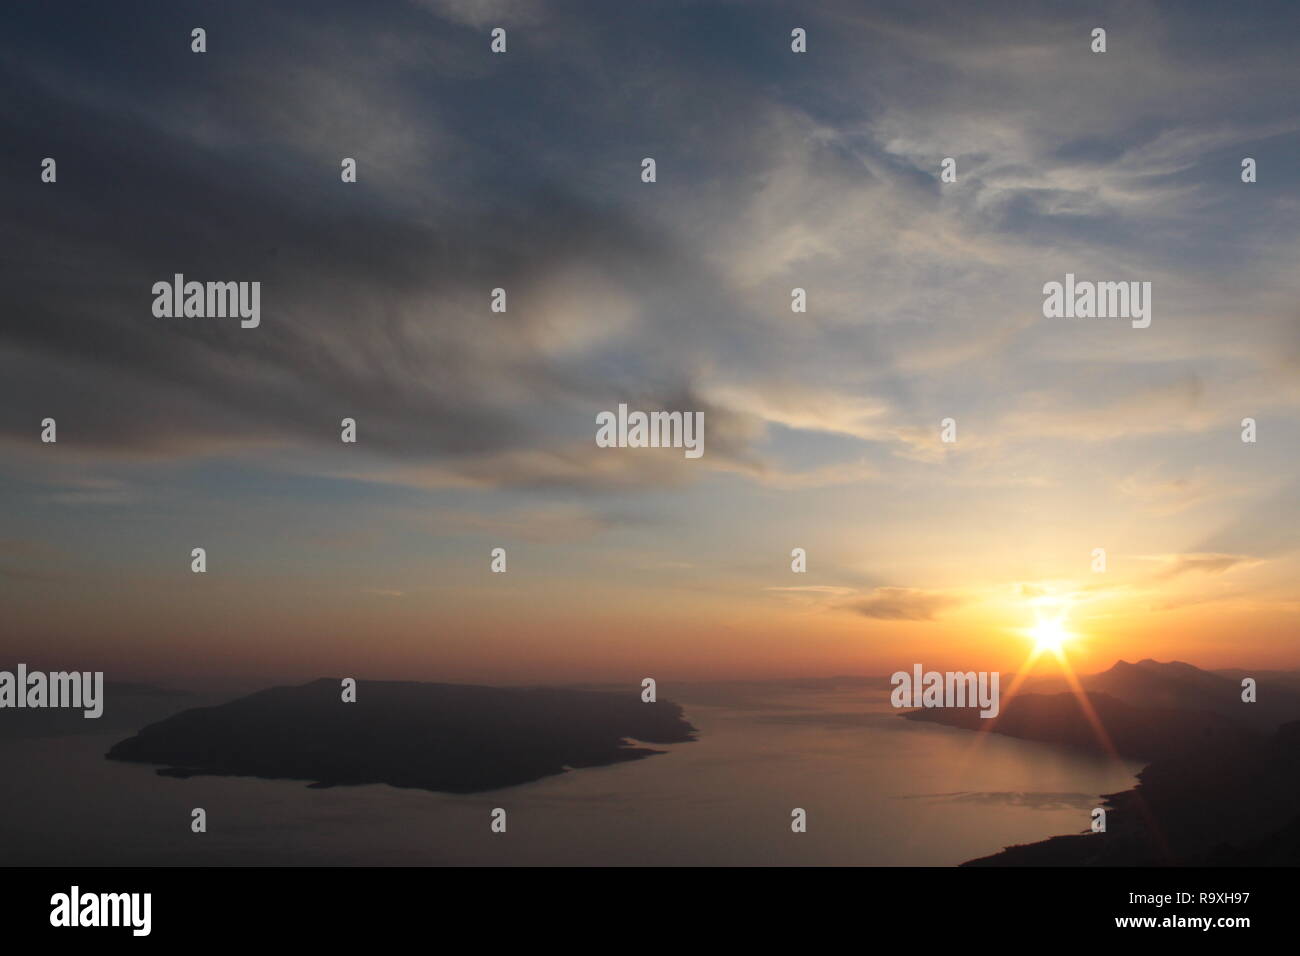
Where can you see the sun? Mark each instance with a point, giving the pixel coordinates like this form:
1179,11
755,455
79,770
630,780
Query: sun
1049,635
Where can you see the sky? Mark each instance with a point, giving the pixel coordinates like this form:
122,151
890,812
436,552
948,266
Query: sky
476,430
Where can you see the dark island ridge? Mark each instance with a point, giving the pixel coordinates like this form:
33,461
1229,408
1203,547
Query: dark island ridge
455,738
1223,784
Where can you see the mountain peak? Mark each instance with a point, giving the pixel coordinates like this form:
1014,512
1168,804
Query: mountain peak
1150,664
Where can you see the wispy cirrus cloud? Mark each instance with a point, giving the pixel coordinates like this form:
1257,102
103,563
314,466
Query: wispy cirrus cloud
904,604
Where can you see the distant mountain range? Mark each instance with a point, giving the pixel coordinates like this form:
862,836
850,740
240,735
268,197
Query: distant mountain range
1142,733
456,738
1223,787
1178,686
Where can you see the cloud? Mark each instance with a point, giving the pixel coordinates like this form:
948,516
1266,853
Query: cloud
904,604
557,522
1167,496
1256,529
1176,565
924,300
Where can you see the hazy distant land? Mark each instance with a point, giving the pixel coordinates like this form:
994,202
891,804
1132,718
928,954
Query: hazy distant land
1223,787
445,737
126,706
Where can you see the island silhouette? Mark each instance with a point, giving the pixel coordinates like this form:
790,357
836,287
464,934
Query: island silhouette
455,738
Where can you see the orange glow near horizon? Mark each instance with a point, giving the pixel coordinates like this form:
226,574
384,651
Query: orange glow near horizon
551,626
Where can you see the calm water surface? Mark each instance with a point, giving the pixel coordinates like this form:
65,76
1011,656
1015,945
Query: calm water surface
878,790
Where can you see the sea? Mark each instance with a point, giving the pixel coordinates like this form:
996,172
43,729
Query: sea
875,790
